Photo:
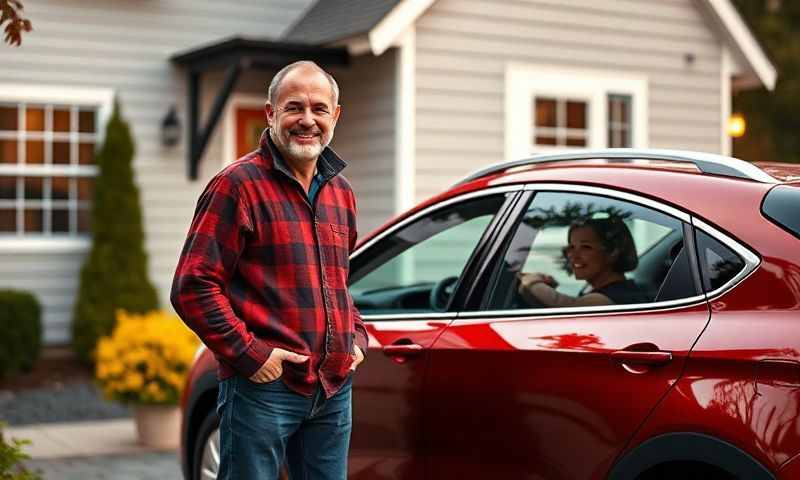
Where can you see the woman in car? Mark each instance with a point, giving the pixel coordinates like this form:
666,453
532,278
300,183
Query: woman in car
599,251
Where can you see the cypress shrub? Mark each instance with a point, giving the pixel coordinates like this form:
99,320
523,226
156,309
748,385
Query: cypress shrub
21,324
114,275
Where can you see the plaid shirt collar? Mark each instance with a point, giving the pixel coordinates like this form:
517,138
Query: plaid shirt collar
329,164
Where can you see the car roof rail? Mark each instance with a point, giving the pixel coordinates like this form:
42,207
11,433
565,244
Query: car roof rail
705,162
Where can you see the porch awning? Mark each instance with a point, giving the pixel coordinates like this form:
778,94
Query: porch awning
233,56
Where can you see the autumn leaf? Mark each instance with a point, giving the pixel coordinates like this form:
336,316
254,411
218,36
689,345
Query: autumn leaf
11,13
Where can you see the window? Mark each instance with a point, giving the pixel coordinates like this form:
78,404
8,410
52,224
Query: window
581,250
559,121
548,108
416,269
619,121
48,139
718,263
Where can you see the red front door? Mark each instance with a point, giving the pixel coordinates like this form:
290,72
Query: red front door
250,122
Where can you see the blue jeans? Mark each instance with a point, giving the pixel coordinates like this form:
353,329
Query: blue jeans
262,426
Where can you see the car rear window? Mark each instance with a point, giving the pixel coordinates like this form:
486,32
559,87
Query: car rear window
782,206
718,263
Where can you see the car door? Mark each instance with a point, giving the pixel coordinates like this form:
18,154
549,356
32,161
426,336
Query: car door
402,283
521,390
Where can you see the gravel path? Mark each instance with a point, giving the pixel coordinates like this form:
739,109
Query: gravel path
72,402
150,466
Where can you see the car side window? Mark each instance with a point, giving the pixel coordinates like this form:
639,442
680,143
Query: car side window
578,250
718,263
416,269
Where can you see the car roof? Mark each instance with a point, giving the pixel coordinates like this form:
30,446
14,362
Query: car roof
729,201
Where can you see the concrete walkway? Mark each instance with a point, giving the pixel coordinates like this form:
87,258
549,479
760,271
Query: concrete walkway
80,439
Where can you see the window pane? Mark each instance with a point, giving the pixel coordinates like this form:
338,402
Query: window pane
60,220
61,120
61,153
34,152
8,220
545,113
8,118
542,140
8,188
59,188
86,121
619,108
34,220
574,250
718,263
8,151
400,273
576,142
34,119
85,188
86,155
84,220
34,188
576,114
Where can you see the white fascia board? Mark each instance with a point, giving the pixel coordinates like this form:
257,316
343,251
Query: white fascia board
356,45
744,42
387,32
405,120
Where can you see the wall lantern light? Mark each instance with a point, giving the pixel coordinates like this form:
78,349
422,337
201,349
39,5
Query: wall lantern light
736,125
170,129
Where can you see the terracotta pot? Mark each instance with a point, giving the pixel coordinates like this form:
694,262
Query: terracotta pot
158,426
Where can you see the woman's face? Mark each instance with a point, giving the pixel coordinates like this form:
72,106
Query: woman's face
586,255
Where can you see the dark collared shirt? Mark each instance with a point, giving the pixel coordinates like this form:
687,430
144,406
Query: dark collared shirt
263,267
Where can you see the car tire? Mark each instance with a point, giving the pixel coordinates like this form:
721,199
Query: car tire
205,458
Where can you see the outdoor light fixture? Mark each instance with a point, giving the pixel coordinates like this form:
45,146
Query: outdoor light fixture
736,125
170,129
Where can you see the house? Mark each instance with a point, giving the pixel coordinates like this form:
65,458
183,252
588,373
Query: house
431,90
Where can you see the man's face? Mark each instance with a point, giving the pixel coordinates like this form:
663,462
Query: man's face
304,115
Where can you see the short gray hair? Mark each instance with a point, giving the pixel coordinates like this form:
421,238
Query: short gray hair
272,92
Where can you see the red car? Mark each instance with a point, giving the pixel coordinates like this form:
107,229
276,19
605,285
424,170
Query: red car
624,314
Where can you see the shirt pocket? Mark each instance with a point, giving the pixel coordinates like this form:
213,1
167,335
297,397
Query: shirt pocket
336,244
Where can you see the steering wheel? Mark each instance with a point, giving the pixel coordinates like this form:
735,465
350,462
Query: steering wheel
517,301
441,293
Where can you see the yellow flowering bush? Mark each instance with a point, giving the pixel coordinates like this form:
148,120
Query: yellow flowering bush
146,358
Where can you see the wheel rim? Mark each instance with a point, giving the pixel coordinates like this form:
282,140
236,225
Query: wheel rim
209,468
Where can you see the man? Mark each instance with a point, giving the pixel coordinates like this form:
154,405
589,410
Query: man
262,280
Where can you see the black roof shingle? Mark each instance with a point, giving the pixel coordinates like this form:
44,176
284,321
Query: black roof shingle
331,20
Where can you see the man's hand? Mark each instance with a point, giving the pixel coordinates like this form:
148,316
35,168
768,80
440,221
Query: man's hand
273,367
358,357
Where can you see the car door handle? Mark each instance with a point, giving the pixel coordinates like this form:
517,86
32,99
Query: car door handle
403,350
642,358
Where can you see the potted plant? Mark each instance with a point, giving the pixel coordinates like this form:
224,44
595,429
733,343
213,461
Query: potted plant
143,363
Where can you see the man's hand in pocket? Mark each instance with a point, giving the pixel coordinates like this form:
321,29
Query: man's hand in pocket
358,357
273,367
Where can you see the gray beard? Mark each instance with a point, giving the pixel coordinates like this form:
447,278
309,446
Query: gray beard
305,153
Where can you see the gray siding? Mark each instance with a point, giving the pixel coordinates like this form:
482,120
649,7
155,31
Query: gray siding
365,135
463,47
125,46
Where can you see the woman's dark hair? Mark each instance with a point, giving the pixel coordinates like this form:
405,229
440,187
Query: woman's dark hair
614,235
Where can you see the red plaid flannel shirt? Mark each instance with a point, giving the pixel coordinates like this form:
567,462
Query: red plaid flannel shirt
263,268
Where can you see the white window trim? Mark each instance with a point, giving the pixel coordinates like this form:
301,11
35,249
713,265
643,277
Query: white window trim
523,82
247,100
100,98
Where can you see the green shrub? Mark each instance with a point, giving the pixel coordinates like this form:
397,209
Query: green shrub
11,455
21,324
114,275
